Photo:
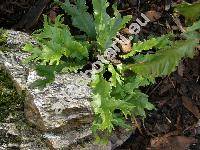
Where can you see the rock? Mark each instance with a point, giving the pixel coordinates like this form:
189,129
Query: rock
63,105
13,146
67,138
19,136
61,111
18,39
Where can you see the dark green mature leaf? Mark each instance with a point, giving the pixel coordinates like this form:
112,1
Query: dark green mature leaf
48,74
140,100
190,11
195,26
163,62
107,27
159,42
80,17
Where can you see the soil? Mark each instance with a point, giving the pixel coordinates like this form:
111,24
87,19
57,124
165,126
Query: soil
176,97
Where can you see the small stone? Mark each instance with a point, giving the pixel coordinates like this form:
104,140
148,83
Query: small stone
13,145
12,130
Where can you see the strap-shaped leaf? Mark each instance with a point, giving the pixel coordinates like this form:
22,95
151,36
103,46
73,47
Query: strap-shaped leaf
195,26
190,11
80,17
163,62
107,27
159,42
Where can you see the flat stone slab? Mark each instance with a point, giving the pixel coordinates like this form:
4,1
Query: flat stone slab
62,104
56,108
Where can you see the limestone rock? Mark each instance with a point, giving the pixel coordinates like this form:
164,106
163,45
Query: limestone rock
13,136
62,104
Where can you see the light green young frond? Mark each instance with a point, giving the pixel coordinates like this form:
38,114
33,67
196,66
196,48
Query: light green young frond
106,26
55,41
104,105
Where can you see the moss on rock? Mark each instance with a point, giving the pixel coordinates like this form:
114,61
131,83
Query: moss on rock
10,101
3,36
3,40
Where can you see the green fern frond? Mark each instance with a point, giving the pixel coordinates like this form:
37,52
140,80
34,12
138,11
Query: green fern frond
165,61
80,17
185,10
138,47
195,26
104,105
140,100
55,41
59,51
107,27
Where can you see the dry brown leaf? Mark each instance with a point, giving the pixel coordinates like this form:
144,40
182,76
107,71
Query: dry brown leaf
187,102
53,14
181,69
126,47
126,31
153,15
171,143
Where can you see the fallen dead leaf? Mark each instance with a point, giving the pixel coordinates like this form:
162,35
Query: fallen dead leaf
126,47
181,69
171,143
53,14
153,15
126,31
165,88
187,103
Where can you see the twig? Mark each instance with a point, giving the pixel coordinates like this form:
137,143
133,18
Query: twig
172,82
178,23
125,10
155,87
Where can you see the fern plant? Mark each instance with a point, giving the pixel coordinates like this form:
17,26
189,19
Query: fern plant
117,97
55,41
